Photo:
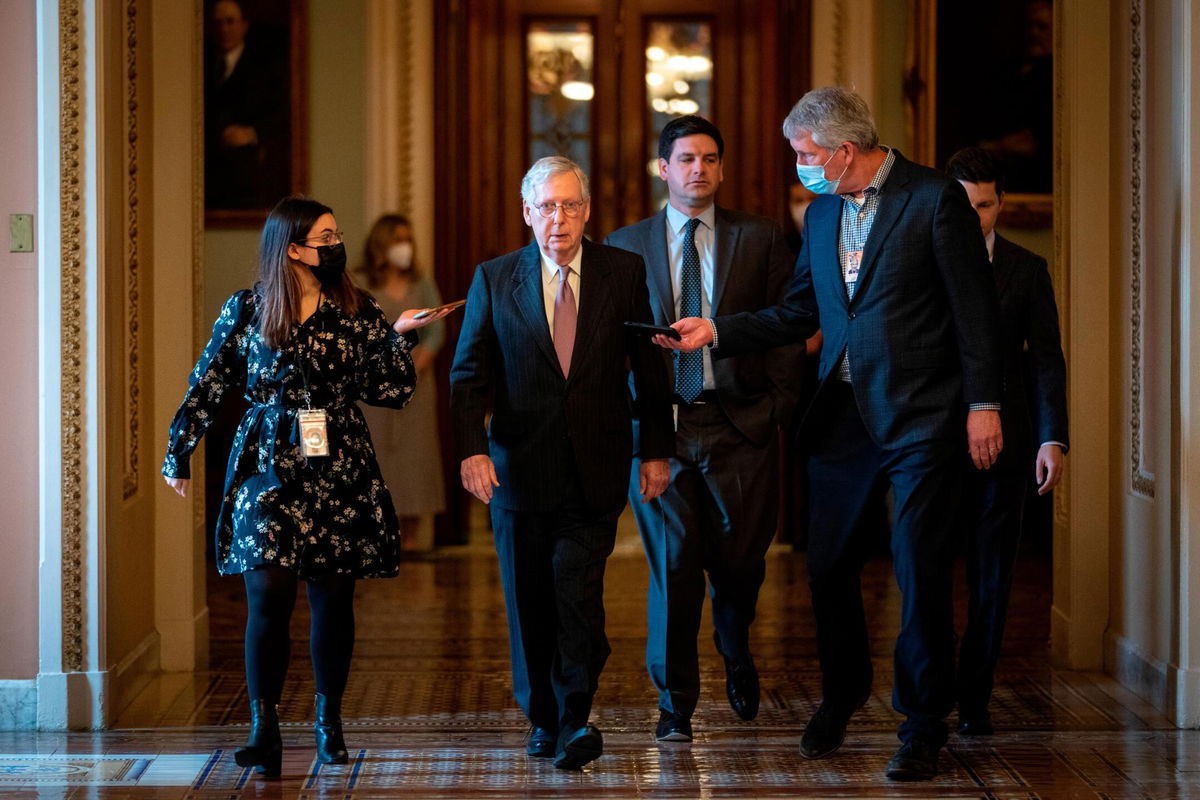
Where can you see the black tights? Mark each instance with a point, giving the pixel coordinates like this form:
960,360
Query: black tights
270,598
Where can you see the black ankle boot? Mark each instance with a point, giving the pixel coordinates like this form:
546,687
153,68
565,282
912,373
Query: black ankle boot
331,745
264,748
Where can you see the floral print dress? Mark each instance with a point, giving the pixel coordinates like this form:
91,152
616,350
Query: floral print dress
314,516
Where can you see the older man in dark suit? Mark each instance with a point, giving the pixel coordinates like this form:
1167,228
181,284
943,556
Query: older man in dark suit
993,502
544,348
894,272
718,514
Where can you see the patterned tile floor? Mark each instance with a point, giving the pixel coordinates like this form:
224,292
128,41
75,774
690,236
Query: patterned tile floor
429,711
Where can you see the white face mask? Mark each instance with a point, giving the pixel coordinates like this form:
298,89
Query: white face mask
400,255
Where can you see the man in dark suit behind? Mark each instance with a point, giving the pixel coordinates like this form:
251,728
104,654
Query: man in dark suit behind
894,272
544,348
718,514
993,502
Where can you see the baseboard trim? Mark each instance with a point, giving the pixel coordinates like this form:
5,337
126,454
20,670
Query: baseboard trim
132,674
1146,676
18,705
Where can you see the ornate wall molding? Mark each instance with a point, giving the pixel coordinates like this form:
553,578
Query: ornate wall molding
133,278
839,49
72,298
1142,480
199,322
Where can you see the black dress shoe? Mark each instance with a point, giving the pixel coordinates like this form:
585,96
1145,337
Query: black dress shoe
914,761
673,727
578,747
976,726
826,730
741,683
541,742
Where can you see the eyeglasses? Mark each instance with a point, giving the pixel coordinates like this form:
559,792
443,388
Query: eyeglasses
325,239
571,208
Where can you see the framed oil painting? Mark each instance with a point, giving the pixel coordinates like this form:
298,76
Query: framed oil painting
982,74
254,108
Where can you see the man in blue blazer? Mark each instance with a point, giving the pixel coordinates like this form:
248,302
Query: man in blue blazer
894,271
544,348
718,515
993,502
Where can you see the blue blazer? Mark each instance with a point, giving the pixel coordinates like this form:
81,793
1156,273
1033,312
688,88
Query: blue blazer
545,427
758,391
922,330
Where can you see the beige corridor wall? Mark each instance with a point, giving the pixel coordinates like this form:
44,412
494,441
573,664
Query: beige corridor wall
336,129
19,354
1154,101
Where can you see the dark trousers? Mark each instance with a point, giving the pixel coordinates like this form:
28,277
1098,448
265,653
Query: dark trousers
846,471
993,504
718,517
552,569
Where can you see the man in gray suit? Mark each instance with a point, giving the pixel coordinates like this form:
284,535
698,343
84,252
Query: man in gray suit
718,514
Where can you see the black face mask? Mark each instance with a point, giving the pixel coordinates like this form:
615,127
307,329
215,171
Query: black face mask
331,263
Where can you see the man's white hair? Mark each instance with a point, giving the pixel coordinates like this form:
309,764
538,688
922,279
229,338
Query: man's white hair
546,168
833,115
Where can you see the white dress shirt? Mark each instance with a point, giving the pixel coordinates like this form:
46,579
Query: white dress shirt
550,274
706,248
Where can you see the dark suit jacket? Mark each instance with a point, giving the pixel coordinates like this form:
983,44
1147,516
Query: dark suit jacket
923,327
1029,319
546,428
752,264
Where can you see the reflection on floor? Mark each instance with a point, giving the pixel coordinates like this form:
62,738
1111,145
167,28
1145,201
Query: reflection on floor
429,711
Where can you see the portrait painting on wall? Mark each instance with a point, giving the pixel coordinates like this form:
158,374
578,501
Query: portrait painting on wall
995,86
254,120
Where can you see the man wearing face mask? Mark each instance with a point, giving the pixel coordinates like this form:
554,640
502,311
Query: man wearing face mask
407,444
894,271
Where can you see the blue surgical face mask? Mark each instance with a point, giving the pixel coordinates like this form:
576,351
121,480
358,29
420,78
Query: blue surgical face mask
813,177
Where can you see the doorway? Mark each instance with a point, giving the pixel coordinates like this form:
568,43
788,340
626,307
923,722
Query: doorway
596,80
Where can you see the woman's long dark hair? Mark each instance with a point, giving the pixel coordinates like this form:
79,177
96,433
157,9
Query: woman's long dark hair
278,288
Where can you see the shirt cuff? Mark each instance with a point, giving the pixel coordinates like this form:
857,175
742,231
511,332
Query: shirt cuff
983,407
713,345
1060,444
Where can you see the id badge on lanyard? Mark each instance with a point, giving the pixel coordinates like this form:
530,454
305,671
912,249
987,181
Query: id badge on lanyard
314,440
314,434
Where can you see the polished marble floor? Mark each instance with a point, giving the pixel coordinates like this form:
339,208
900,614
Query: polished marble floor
430,715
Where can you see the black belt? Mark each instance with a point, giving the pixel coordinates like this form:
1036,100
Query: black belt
706,398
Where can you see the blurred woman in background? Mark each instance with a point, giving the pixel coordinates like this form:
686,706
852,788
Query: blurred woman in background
407,444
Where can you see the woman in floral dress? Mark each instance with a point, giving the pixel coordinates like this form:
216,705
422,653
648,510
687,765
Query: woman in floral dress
304,344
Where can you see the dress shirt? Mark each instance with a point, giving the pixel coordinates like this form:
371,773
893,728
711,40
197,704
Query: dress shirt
857,218
550,273
706,248
230,59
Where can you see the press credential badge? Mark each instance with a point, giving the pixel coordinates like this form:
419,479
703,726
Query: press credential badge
313,438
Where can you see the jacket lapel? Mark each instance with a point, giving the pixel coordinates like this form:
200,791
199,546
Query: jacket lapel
726,256
654,245
527,293
823,227
593,302
893,199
